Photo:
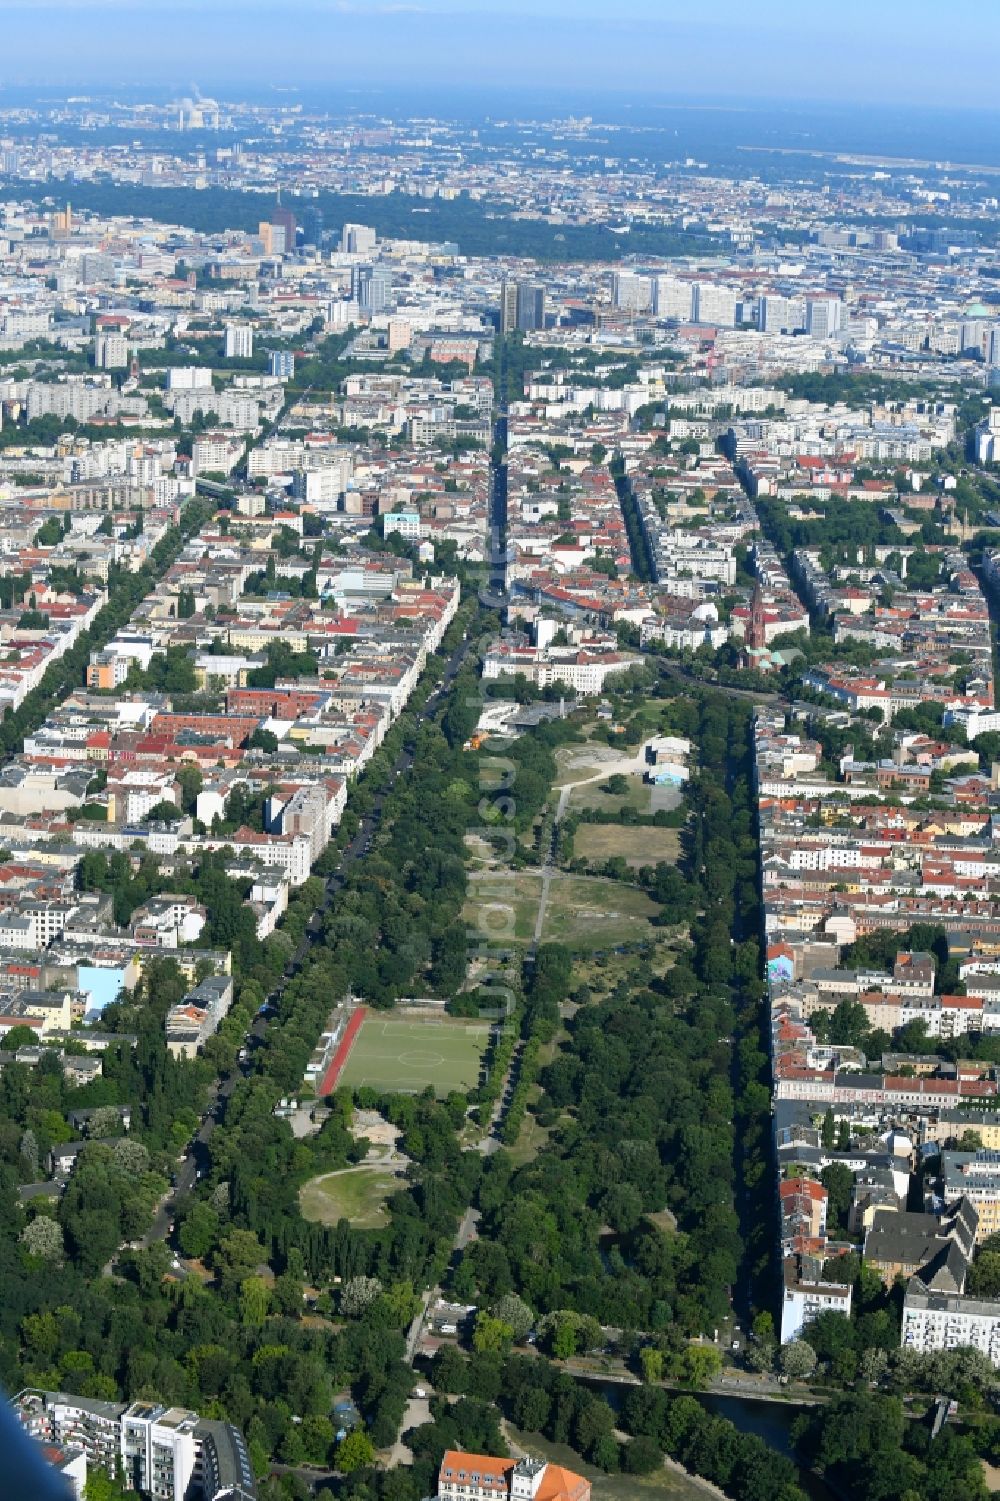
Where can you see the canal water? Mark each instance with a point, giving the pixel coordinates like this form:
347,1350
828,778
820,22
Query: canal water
769,1421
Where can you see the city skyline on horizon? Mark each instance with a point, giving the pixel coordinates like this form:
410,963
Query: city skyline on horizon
908,57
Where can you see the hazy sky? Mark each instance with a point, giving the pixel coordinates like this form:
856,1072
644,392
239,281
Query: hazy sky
890,50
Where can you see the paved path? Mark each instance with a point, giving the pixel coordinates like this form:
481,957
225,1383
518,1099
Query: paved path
416,1412
543,896
416,1327
467,1229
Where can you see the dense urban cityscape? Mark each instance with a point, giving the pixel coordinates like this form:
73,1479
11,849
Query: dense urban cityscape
499,807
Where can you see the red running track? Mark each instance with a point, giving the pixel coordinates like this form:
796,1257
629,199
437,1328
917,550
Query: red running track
343,1049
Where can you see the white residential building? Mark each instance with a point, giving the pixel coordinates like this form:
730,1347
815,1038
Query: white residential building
946,1321
406,523
111,352
714,304
189,378
164,1453
806,1296
673,298
239,341
215,453
159,1449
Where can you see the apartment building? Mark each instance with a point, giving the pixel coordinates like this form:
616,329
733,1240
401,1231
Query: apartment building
805,1294
947,1321
198,1016
583,670
974,1176
163,1453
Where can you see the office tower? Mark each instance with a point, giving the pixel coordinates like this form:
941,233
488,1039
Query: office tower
372,287
239,341
283,218
822,317
714,304
272,237
993,345
508,306
630,292
281,362
672,298
357,239
530,306
312,226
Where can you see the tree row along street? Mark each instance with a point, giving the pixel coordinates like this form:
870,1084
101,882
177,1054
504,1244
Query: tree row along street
195,1159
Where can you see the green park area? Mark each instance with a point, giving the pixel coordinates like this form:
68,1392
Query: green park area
586,912
637,846
502,904
357,1194
583,912
663,1485
406,1056
596,795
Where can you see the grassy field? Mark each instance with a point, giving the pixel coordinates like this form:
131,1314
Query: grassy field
591,795
480,852
357,1194
638,846
663,1219
602,972
587,912
492,897
406,1056
664,1485
532,1137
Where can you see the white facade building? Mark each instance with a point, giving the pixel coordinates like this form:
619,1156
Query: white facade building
714,304
673,298
804,1298
189,378
946,1321
406,523
630,292
239,341
111,352
823,316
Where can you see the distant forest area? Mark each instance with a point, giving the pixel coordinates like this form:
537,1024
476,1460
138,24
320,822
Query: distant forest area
483,227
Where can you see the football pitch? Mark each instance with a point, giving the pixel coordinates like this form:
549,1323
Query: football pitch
405,1056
